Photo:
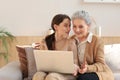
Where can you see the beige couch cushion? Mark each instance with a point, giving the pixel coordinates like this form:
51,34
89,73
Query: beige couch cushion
112,56
11,71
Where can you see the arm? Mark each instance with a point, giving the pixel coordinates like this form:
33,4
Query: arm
42,45
99,60
73,48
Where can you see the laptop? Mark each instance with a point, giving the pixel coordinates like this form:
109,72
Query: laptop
54,61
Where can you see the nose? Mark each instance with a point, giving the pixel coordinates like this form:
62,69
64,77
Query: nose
69,28
77,29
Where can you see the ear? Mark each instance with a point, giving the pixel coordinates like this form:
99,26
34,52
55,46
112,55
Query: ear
89,26
55,27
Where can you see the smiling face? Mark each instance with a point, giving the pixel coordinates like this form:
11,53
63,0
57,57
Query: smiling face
63,28
80,27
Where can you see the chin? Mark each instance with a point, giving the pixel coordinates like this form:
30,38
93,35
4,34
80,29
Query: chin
65,36
79,36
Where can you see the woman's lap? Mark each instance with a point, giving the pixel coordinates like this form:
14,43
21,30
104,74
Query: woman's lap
39,76
59,76
52,76
88,76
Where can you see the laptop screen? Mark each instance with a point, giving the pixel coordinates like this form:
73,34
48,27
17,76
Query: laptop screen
54,61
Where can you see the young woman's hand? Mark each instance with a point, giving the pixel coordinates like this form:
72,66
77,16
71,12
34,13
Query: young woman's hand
36,45
76,70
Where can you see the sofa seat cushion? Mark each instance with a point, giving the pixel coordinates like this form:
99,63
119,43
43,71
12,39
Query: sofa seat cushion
11,71
117,75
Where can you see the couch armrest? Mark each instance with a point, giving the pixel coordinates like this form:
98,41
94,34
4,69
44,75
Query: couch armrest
11,71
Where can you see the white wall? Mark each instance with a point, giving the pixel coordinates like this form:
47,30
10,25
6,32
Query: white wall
33,17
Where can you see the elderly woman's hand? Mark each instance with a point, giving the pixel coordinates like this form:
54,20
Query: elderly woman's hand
83,68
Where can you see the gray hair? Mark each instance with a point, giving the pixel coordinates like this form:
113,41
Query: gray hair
82,15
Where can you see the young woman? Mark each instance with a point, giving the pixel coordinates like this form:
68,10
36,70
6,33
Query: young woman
57,41
90,48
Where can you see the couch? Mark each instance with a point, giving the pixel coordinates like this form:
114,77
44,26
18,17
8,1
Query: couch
12,70
112,58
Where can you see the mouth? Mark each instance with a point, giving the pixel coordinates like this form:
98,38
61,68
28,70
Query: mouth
67,32
78,33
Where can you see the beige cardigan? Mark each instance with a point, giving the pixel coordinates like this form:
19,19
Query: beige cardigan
94,55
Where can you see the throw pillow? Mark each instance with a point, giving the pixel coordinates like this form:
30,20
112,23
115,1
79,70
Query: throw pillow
23,60
27,61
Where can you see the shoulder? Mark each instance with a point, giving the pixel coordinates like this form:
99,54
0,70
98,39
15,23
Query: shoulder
72,39
71,43
43,41
97,40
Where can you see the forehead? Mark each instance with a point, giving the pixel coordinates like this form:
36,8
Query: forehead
78,21
66,20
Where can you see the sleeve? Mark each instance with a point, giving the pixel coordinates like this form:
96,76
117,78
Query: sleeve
99,60
73,48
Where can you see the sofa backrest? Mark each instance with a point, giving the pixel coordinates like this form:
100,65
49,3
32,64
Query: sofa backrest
112,56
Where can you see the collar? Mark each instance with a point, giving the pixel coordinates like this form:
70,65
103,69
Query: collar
89,38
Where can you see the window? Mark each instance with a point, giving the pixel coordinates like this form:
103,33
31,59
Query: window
102,1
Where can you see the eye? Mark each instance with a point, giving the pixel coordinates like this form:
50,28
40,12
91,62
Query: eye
70,25
81,26
66,25
74,26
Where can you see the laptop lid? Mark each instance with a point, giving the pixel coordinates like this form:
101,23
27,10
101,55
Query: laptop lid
54,61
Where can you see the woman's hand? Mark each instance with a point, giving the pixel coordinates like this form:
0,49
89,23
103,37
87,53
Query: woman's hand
36,45
76,70
83,68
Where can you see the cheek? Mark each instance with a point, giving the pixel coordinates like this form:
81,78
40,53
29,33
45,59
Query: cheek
66,29
69,28
62,30
59,30
74,29
86,30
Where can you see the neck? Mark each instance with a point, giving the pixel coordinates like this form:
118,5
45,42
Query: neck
58,37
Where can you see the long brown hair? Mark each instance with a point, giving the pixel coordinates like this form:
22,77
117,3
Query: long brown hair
50,39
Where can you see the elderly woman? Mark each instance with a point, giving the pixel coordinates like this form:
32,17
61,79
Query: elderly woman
91,60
